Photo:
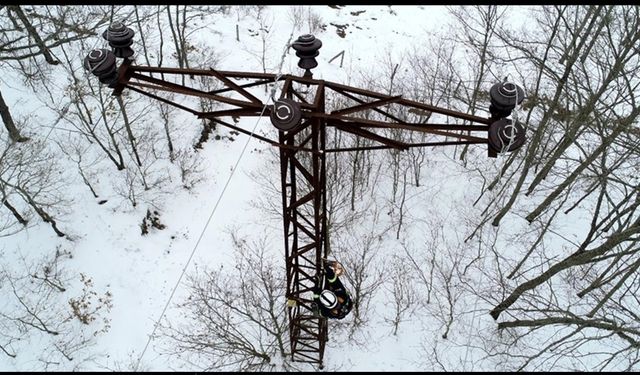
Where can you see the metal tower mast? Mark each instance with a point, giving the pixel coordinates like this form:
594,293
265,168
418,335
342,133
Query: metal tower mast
302,125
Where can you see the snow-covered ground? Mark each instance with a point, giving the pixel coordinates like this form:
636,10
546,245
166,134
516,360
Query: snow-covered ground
141,271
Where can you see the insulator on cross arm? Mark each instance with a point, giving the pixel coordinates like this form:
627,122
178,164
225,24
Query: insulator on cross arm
307,47
102,64
120,38
504,98
505,135
286,114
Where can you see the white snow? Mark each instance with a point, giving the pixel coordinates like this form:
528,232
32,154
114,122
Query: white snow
141,271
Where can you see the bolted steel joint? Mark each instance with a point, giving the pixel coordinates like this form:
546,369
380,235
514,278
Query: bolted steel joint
120,38
504,98
285,114
102,64
307,47
505,135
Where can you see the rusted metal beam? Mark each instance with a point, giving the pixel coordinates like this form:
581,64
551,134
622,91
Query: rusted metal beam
346,123
184,108
124,74
425,144
259,137
235,87
149,86
248,75
174,87
382,112
370,105
200,72
304,192
181,71
168,88
311,81
231,112
301,168
286,89
422,127
244,86
448,112
304,103
306,140
302,236
355,121
373,136
410,103
318,101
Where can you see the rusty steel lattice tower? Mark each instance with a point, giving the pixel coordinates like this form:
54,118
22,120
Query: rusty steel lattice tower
301,119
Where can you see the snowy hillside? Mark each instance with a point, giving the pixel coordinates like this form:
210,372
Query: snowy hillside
412,229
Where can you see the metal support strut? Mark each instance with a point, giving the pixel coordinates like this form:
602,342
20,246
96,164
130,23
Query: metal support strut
303,202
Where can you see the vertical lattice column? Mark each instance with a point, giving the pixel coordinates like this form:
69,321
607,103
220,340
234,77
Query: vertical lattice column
303,199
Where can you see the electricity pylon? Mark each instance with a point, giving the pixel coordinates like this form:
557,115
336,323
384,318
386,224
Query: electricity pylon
301,119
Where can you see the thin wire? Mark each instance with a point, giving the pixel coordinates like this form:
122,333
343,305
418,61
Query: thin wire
473,318
224,189
282,58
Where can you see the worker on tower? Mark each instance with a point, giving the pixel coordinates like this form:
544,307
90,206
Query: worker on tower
331,298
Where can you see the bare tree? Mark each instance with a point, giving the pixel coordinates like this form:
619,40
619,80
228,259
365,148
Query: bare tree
559,293
29,33
264,27
35,312
31,176
401,293
233,319
357,251
475,27
78,151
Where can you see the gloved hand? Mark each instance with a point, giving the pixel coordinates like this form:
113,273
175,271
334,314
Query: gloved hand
317,288
329,272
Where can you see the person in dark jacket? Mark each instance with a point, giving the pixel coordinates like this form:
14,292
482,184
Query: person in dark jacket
331,297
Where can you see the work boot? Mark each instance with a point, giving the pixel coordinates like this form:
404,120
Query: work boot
315,310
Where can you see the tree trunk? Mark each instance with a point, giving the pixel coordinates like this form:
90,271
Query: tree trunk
142,40
42,213
34,34
14,133
573,260
15,213
606,142
127,125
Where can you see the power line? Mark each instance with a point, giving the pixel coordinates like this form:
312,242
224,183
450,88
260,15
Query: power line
224,189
